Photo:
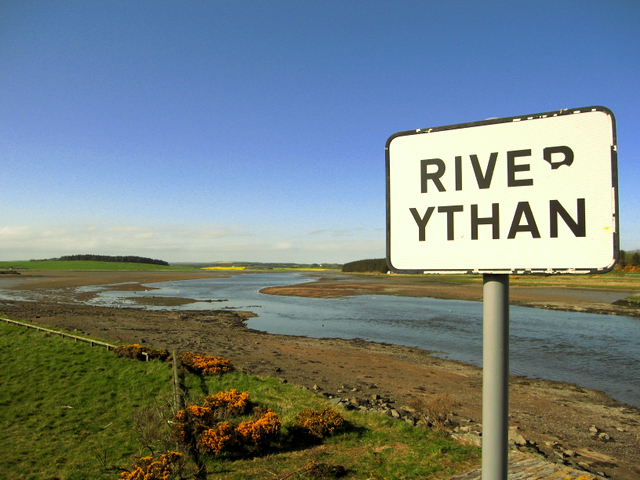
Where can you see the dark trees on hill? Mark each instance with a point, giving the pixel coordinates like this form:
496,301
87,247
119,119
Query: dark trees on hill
110,258
374,265
629,258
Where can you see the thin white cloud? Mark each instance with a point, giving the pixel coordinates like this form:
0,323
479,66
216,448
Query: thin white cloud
188,243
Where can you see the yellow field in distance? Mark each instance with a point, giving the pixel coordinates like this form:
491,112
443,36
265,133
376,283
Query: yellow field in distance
223,268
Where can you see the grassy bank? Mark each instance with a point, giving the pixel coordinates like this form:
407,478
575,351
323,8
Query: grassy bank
89,265
70,411
64,403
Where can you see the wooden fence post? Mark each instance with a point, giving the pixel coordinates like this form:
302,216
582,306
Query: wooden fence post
177,392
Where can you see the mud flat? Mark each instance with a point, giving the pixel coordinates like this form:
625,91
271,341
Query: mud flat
602,295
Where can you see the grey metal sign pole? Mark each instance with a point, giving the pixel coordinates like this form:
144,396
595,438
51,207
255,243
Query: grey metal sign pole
495,377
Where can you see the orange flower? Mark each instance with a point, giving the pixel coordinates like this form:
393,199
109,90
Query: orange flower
319,423
260,432
197,411
230,403
146,469
217,439
205,364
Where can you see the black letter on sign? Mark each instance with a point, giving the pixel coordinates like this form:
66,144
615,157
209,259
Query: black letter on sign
512,168
568,156
450,211
578,228
424,176
484,181
458,173
523,208
422,221
494,220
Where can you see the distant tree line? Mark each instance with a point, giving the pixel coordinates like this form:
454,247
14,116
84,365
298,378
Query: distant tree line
111,258
374,265
629,258
379,265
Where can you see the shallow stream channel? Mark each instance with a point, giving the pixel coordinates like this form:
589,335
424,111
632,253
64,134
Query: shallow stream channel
600,352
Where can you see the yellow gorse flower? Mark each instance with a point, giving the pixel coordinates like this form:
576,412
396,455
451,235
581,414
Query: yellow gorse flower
198,426
319,423
261,431
146,469
232,402
217,439
205,364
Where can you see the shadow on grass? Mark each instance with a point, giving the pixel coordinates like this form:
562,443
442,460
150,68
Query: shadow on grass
299,438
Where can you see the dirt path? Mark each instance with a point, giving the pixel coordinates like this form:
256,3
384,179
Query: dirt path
560,420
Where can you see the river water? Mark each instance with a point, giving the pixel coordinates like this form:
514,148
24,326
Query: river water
601,352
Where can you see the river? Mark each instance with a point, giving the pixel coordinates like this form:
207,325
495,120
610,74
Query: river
601,352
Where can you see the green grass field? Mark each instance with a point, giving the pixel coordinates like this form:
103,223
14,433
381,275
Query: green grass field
72,411
89,265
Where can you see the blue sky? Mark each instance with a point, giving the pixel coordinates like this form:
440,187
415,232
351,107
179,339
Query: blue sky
254,130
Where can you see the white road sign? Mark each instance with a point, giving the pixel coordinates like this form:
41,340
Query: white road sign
530,194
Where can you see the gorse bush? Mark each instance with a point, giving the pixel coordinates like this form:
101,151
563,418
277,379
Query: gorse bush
631,269
217,439
198,427
148,469
205,364
138,352
319,423
190,423
260,432
230,403
193,362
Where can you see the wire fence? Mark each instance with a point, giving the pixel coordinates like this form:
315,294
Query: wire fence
62,334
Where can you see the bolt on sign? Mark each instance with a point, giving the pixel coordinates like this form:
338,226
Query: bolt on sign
529,194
